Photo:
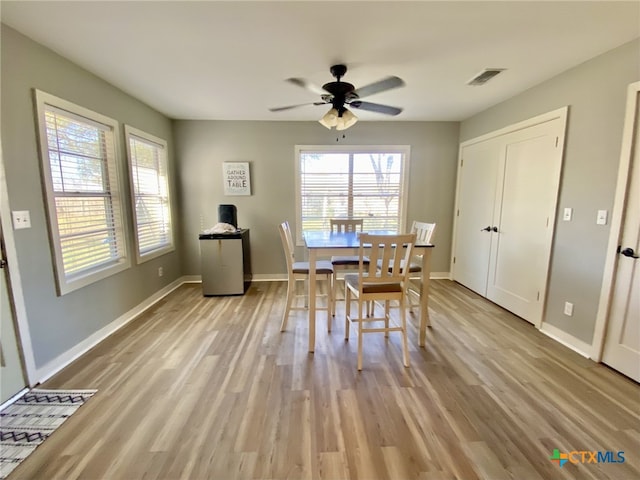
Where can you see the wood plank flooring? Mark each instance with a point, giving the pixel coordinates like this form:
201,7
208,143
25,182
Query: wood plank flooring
209,388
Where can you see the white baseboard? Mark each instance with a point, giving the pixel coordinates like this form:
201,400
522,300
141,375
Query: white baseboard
256,277
440,276
269,277
14,398
282,277
61,361
566,339
192,279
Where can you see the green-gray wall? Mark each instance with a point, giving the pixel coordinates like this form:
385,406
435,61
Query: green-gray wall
596,93
57,324
202,146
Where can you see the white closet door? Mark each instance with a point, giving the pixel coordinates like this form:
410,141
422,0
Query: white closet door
622,344
506,204
524,213
476,189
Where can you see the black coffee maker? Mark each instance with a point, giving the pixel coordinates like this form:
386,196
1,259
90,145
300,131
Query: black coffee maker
228,214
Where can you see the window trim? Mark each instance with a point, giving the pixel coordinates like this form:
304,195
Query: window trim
130,131
404,150
64,285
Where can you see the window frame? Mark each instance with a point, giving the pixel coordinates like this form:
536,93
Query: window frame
404,150
129,132
68,283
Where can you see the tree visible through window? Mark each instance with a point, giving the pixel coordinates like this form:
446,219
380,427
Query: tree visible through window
352,182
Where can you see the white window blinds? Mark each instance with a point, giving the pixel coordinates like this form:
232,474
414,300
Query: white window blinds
357,182
80,175
150,188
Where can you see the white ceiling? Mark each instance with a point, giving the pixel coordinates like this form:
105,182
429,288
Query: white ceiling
228,60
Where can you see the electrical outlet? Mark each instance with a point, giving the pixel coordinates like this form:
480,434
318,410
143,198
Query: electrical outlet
160,271
568,309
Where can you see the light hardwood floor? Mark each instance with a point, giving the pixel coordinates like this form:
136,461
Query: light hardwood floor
209,388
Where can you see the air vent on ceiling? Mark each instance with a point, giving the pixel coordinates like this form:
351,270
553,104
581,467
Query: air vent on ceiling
484,76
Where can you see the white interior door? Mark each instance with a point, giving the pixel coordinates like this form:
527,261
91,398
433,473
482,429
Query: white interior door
525,206
11,374
622,342
506,204
474,214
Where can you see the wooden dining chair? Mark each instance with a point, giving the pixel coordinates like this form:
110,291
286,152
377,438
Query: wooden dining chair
344,262
300,271
424,234
373,284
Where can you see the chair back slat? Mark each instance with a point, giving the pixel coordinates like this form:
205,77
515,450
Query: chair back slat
344,225
424,232
368,269
287,244
392,250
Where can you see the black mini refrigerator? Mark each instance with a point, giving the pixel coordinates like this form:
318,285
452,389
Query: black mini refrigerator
225,263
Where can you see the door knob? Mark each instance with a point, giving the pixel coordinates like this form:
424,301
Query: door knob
485,229
628,252
494,229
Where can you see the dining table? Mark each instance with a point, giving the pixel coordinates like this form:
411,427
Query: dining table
324,244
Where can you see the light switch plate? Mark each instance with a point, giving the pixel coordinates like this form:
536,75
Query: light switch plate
568,309
602,217
21,219
567,214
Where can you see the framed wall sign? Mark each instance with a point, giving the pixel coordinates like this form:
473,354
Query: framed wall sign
236,178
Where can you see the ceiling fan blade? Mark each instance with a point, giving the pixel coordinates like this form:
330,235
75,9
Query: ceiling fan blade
379,86
289,107
306,84
375,107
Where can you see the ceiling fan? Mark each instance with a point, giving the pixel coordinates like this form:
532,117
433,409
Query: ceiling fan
340,94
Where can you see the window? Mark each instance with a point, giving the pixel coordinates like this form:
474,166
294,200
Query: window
150,191
367,182
78,151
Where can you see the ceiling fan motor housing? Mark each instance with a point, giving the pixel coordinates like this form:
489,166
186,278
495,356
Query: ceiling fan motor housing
341,92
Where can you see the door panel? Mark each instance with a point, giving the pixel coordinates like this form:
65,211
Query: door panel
622,344
524,211
479,173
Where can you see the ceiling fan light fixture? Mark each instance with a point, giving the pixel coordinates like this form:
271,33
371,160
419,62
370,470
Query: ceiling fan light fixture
346,120
330,119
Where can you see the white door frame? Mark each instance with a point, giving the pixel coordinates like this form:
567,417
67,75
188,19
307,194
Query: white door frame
16,294
561,113
602,317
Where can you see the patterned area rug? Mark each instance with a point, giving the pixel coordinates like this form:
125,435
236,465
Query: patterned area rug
28,422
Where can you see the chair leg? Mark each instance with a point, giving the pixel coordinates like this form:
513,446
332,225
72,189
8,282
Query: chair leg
410,293
387,312
405,348
291,292
330,301
360,334
334,282
347,312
